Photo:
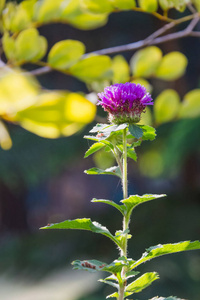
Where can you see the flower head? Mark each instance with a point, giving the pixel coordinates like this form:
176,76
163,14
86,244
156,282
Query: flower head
124,102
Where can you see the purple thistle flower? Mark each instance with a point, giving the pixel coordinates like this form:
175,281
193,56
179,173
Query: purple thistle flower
124,102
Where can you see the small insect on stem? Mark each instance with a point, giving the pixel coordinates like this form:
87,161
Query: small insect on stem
100,134
88,265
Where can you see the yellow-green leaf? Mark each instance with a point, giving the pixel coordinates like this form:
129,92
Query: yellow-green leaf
197,4
124,4
48,10
145,62
5,140
172,66
77,17
93,68
177,4
16,92
145,83
65,53
146,117
166,106
149,5
190,107
30,46
57,114
120,69
97,6
8,46
2,3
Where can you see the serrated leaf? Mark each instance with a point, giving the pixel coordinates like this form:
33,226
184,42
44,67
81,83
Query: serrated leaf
130,151
82,224
135,200
149,133
142,282
145,62
115,285
160,250
172,66
93,68
166,106
124,4
95,147
109,171
136,131
88,265
149,5
114,295
190,107
97,6
112,203
65,53
121,72
30,46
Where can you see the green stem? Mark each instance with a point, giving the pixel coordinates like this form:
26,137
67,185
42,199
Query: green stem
126,218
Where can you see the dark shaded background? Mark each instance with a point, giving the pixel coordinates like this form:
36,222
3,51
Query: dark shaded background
42,181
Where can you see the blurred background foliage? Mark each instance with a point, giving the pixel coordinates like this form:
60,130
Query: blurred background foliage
49,78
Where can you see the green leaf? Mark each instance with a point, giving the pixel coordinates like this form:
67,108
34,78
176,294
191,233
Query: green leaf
168,298
136,131
166,106
149,133
57,114
65,53
81,19
93,68
119,207
5,139
178,4
190,107
115,285
114,295
145,83
160,250
197,4
2,3
97,6
120,69
130,151
9,46
124,4
135,200
109,171
117,265
95,147
92,265
172,66
47,10
30,46
148,5
142,282
145,62
146,117
82,224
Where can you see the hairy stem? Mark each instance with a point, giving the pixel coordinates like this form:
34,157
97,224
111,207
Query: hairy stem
126,218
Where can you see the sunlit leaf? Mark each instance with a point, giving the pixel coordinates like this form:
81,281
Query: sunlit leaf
9,46
166,106
95,147
178,4
120,69
168,298
77,17
17,92
145,62
111,203
114,295
172,66
5,140
160,250
92,265
190,107
109,171
142,282
97,6
149,5
146,117
57,114
96,67
124,4
2,3
197,4
82,224
115,285
143,82
49,10
65,53
30,46
149,133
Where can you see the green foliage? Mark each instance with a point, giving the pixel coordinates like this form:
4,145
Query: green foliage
66,53
142,282
124,4
111,203
109,171
148,5
82,224
97,6
168,298
146,61
172,66
120,69
177,4
166,106
190,107
135,131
